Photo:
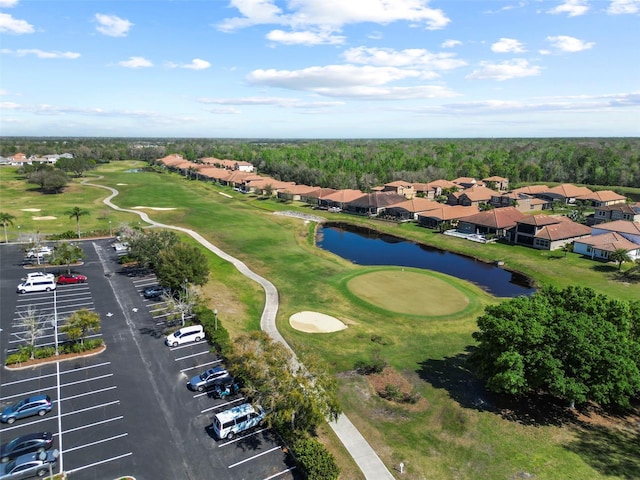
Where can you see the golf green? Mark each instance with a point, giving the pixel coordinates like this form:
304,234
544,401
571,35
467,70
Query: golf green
408,292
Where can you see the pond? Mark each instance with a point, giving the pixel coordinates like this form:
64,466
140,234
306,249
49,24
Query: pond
369,247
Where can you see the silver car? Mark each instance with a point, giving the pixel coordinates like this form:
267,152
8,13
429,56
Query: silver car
29,465
209,378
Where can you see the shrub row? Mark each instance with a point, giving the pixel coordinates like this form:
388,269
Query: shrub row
24,352
313,459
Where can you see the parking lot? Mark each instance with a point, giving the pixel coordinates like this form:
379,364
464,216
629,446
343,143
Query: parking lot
127,410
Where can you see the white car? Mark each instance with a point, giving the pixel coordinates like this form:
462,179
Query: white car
39,276
39,252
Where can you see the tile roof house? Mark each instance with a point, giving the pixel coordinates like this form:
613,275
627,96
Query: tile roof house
498,221
229,164
466,182
400,187
372,204
531,189
445,214
620,211
604,198
629,230
409,209
264,185
313,197
566,193
547,232
339,198
471,196
523,202
497,183
296,192
601,246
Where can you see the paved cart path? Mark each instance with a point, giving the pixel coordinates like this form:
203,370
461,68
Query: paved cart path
366,458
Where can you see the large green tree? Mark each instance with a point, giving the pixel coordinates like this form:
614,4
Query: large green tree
51,180
77,166
6,219
574,343
145,248
181,263
66,253
80,324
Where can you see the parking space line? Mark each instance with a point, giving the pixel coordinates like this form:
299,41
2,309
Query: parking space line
200,366
192,355
280,473
254,457
222,405
89,425
32,392
99,463
91,408
88,379
73,370
97,442
23,424
89,393
50,344
237,439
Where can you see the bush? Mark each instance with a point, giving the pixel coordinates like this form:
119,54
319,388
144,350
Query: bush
19,357
68,235
45,352
314,460
218,337
375,365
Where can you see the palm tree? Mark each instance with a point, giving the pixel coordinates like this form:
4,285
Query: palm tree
6,219
77,212
620,255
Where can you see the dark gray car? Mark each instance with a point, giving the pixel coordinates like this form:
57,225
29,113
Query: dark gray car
31,442
209,378
29,465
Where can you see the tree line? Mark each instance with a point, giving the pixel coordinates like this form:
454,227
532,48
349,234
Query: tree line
363,163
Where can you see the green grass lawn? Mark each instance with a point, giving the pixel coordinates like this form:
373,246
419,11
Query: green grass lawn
461,433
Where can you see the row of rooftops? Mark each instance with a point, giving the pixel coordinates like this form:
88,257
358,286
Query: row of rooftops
22,159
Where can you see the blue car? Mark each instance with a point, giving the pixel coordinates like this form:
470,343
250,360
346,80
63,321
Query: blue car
35,405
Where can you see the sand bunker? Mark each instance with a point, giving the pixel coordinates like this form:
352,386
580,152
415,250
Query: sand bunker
44,218
122,184
30,209
157,208
314,322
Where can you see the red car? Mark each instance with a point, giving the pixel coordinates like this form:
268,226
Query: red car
73,278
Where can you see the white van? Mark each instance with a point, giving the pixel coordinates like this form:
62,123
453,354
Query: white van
45,284
193,333
237,419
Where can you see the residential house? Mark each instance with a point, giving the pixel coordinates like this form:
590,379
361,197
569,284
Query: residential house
531,189
409,209
446,216
296,192
624,211
499,222
500,184
339,199
523,202
465,182
264,185
601,246
400,187
313,197
547,232
629,230
372,204
229,164
565,193
471,196
603,198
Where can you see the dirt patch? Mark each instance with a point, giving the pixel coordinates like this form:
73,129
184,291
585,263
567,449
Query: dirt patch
389,376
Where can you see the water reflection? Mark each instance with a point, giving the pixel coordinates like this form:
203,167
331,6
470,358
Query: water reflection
368,247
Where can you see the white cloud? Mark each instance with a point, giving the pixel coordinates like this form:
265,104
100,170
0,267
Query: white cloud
450,43
517,68
8,24
573,8
113,25
508,45
136,62
305,38
413,57
620,7
8,3
41,53
283,102
197,64
566,44
334,14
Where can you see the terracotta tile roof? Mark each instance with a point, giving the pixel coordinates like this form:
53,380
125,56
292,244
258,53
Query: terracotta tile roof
377,200
605,196
450,212
299,189
399,183
495,179
610,242
264,182
496,218
172,160
620,226
237,176
531,189
479,193
416,205
563,230
321,193
460,180
442,184
568,190
540,220
343,196
628,208
214,172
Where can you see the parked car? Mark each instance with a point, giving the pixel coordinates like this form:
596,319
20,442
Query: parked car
209,378
39,252
29,465
34,405
192,333
31,442
155,291
39,276
72,278
237,419
42,284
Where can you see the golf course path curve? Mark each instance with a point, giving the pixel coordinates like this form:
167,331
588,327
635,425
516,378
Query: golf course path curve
365,457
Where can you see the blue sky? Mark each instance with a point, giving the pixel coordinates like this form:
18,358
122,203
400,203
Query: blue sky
320,68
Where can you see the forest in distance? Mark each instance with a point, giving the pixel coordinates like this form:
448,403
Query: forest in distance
365,163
